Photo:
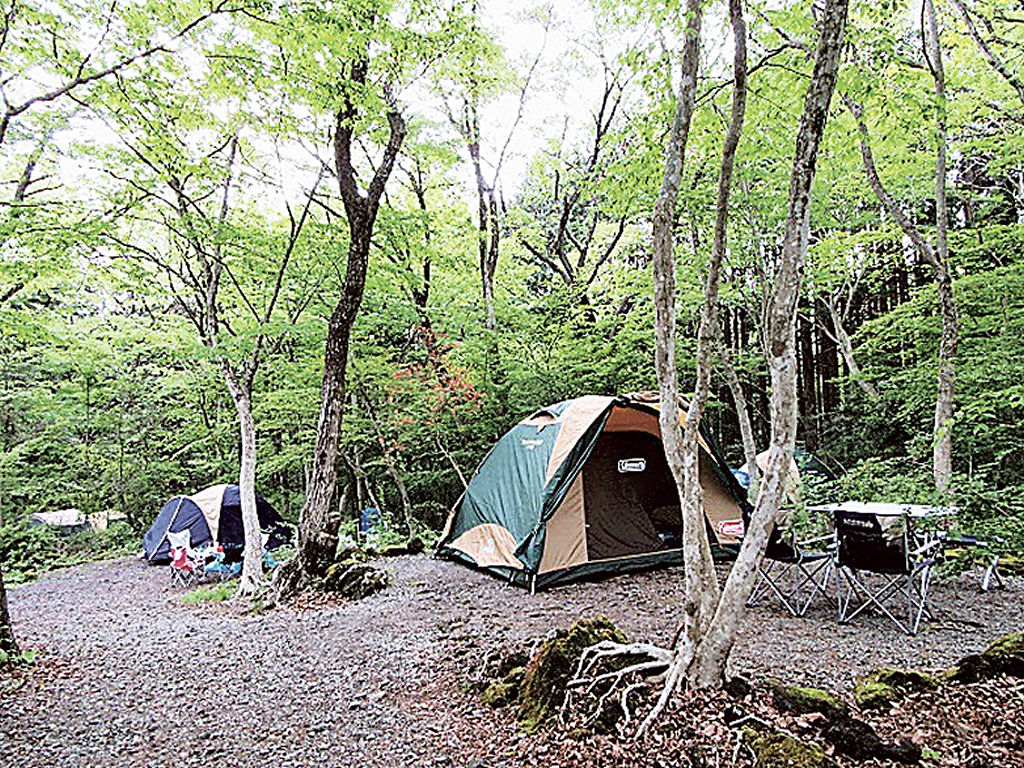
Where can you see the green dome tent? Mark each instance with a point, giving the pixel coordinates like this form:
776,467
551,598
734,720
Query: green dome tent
582,488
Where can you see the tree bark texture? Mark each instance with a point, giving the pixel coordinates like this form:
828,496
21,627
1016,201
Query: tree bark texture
696,604
739,399
705,580
937,256
488,234
712,655
252,560
7,642
846,350
942,448
319,519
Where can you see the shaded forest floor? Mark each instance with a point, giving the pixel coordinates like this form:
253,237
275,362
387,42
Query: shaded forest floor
131,676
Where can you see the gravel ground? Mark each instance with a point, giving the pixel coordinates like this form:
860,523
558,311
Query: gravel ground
130,676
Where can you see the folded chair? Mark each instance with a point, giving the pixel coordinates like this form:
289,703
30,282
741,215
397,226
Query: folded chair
901,559
795,571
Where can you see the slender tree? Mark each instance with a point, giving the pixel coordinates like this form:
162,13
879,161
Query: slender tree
709,626
319,519
937,253
463,109
780,347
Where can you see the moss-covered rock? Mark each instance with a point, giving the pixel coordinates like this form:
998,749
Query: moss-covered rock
777,750
1004,657
499,693
1010,565
543,687
803,701
354,580
351,555
859,740
883,688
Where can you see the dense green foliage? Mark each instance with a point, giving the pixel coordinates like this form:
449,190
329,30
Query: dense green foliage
29,551
110,400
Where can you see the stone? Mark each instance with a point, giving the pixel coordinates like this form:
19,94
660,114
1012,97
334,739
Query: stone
505,690
545,678
803,701
415,545
882,689
777,750
354,580
857,739
738,687
1003,657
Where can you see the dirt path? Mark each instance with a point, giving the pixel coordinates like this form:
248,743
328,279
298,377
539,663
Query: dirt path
132,677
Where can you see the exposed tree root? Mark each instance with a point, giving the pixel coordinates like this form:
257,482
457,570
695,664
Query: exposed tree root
612,671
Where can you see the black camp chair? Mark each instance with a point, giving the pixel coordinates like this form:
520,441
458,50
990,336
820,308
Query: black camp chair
795,571
885,544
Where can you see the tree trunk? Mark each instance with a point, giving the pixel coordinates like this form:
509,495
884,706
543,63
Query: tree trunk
705,579
319,521
7,642
739,399
319,518
488,236
252,561
391,465
846,350
942,451
938,257
713,652
698,603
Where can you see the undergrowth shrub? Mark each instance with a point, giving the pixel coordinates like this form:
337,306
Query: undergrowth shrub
28,551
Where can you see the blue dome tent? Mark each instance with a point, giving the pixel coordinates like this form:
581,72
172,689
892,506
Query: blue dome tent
214,514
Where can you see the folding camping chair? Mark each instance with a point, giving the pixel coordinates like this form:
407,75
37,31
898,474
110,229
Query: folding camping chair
795,571
882,540
214,565
186,568
990,577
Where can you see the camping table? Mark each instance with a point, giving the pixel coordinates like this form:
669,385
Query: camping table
885,509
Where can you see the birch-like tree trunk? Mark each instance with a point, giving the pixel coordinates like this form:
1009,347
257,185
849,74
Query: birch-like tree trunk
7,642
937,255
712,654
710,331
488,232
845,345
942,449
739,399
697,605
681,446
252,560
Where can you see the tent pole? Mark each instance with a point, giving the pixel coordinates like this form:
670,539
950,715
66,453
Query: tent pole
174,517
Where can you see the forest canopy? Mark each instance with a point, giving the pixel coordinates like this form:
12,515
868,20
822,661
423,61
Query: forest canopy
145,146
